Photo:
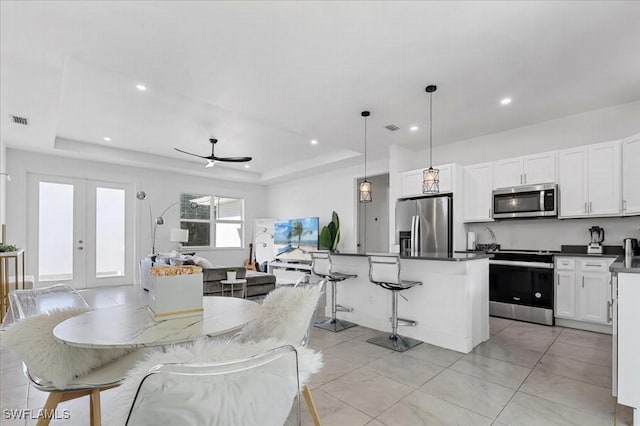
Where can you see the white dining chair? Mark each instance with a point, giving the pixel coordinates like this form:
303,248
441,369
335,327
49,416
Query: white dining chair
288,314
32,308
255,390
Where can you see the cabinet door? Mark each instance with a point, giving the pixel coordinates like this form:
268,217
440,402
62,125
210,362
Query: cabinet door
411,183
446,178
566,294
631,175
477,193
539,168
605,179
508,173
594,297
572,182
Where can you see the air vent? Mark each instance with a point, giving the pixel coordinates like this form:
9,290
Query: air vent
20,120
392,127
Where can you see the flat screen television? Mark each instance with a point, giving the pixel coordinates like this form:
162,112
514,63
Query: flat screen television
295,239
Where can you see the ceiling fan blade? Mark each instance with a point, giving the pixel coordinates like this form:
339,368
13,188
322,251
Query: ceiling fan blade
195,155
212,158
233,159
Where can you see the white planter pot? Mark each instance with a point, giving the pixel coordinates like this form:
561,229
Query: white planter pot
231,276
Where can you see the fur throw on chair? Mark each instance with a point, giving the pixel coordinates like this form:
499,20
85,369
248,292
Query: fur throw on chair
49,359
286,314
258,397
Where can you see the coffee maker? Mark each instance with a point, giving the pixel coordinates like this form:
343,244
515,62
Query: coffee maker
597,237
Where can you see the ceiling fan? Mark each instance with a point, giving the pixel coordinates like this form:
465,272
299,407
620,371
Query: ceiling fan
212,159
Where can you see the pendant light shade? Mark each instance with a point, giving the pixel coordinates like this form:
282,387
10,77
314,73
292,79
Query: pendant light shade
364,189
430,176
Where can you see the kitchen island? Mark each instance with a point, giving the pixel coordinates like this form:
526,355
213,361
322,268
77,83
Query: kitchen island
451,306
626,337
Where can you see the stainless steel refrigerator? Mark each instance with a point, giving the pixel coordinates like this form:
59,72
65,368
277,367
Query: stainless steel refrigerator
424,225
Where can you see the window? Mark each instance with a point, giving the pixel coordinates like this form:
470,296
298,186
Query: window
220,227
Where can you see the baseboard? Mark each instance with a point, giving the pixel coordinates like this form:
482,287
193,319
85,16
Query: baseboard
581,325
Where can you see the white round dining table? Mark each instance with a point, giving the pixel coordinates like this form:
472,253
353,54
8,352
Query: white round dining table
133,326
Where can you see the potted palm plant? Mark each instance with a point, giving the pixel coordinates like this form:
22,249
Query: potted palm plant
330,234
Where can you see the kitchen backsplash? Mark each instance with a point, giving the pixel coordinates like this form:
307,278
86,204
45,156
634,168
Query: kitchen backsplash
550,234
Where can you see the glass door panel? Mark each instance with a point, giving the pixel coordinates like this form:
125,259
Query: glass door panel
55,236
110,232
81,231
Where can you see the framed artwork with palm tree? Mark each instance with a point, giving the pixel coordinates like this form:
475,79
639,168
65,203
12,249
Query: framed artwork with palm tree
294,239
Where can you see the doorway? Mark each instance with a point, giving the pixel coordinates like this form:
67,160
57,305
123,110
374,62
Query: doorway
373,217
80,231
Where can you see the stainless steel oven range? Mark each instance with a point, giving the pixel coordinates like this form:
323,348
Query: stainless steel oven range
521,285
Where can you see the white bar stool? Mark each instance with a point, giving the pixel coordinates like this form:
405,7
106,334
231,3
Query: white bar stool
385,272
322,267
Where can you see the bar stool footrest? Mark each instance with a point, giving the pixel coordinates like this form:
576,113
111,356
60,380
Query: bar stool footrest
335,325
407,322
395,343
341,308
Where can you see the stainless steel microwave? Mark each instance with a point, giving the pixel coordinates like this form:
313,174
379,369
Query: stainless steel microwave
526,201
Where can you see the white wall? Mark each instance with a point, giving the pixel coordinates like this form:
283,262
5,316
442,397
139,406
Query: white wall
590,127
3,182
319,195
373,221
162,190
550,234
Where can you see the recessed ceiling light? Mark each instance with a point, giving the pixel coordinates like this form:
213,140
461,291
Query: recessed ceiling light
246,166
505,101
107,138
141,87
413,128
314,142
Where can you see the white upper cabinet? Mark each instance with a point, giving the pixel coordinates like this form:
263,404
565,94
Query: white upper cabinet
478,187
527,170
411,181
507,173
605,179
589,180
539,168
631,175
572,182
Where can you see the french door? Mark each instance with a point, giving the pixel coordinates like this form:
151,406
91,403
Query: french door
80,231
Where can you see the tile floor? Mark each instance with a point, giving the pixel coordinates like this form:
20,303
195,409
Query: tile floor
525,374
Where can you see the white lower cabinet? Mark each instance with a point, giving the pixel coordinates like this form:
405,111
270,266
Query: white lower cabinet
582,289
566,294
594,297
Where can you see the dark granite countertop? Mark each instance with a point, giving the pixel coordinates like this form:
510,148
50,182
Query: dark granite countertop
627,265
585,255
456,257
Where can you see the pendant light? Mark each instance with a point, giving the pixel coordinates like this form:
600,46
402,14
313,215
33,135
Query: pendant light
365,186
430,176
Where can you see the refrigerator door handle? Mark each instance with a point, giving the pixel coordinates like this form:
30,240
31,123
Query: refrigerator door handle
415,221
417,249
413,224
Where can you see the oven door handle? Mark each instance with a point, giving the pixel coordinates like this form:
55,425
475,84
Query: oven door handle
541,265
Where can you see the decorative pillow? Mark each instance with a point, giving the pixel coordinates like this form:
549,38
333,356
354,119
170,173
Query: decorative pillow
202,262
161,260
257,397
286,314
184,260
49,359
